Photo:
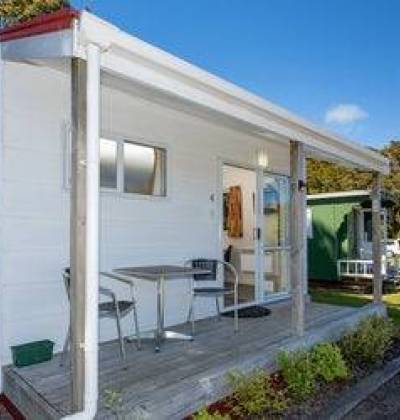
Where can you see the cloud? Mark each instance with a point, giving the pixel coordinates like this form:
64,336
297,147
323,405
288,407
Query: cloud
345,114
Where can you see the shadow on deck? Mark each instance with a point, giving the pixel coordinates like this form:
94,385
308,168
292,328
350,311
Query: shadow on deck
185,375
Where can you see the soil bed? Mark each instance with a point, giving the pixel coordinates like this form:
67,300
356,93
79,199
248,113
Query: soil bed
316,406
382,404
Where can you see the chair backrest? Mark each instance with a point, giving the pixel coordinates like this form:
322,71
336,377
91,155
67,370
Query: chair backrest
228,254
206,264
67,279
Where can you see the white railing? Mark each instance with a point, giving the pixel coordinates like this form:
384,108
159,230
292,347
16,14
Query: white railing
356,268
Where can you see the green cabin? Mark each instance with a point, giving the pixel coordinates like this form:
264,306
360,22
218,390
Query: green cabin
339,226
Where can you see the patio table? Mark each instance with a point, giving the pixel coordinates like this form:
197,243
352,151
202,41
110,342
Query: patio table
160,274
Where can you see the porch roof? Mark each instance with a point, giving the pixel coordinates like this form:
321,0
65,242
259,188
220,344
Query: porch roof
180,84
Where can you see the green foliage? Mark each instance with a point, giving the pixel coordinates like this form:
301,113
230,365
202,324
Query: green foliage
302,369
324,177
328,363
112,400
255,394
369,342
205,415
297,371
14,11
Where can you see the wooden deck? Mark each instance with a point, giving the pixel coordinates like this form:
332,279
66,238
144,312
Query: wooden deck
185,375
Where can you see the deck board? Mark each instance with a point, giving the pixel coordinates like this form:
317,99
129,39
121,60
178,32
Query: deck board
184,375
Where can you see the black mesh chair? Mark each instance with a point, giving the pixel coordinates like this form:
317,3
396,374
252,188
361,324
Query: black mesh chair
112,308
201,287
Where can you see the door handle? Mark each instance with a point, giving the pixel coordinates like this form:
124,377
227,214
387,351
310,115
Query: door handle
257,234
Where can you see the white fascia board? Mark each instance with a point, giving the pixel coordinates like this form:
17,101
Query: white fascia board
145,64
45,46
339,194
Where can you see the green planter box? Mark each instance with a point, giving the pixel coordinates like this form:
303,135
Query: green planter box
32,353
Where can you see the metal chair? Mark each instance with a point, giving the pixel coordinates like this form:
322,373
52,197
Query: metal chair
113,308
213,266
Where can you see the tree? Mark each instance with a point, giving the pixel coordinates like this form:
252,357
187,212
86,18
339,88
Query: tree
14,11
323,177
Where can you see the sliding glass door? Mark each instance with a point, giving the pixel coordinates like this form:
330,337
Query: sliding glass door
275,246
256,232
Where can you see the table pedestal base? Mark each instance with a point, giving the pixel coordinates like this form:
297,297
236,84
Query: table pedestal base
159,338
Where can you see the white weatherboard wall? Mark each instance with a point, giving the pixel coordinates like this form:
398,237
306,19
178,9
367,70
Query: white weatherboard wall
1,286
134,231
34,208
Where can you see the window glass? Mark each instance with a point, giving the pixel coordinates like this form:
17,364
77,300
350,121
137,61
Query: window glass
367,226
144,169
276,208
108,164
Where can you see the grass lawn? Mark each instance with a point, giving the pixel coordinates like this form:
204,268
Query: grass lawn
344,298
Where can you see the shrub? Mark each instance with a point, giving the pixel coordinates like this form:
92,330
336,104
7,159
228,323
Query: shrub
328,363
254,393
369,342
297,371
13,11
205,415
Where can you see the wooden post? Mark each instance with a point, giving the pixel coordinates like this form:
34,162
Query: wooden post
2,337
304,239
298,200
377,236
78,231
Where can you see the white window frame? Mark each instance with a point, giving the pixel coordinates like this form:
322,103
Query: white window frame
120,139
120,167
310,227
117,188
362,227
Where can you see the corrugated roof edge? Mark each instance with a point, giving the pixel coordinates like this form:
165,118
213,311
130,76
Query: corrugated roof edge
46,23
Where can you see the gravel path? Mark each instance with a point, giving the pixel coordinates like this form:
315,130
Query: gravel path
382,404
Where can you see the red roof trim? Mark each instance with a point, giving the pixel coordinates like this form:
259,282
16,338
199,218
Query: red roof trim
51,22
11,408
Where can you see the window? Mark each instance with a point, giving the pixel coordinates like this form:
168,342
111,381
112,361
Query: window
132,168
367,230
276,210
367,226
144,169
108,164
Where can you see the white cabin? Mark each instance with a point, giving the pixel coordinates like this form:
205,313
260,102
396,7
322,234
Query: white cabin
174,143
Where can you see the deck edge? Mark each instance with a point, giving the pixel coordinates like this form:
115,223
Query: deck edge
30,403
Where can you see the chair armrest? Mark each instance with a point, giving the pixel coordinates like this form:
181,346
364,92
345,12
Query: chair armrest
107,292
232,269
123,279
118,277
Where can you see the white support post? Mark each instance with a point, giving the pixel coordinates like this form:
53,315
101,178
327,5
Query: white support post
85,233
2,337
298,215
377,237
92,227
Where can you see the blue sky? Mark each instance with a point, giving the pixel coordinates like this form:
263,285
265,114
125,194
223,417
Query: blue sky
334,62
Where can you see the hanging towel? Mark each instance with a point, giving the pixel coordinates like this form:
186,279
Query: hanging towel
235,217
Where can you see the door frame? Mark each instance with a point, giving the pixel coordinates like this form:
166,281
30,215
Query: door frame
221,162
260,296
277,296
